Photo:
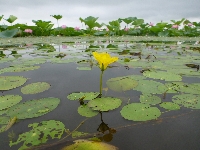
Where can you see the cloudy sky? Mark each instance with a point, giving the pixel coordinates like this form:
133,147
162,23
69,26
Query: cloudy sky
107,10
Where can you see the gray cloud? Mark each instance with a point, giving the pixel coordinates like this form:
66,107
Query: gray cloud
152,10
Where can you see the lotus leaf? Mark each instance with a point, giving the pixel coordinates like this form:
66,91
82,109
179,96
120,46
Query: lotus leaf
170,106
33,108
84,110
85,95
140,112
11,82
34,88
150,99
120,84
150,87
40,133
187,100
104,103
89,145
162,75
7,101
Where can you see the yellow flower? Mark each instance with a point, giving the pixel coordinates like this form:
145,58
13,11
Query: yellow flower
104,59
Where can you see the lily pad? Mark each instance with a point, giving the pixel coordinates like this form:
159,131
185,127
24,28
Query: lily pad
150,99
85,95
140,112
40,133
89,145
187,100
120,84
104,103
85,111
33,108
7,101
76,134
170,106
150,87
34,88
11,82
162,75
18,69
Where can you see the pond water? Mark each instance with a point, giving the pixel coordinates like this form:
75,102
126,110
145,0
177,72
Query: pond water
156,80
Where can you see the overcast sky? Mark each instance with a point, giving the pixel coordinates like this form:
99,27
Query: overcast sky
107,10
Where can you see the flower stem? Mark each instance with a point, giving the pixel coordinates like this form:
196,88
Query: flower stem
101,76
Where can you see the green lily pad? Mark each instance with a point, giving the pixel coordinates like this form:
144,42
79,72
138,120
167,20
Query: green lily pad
89,145
34,88
84,68
170,106
11,82
120,84
85,111
7,101
187,100
104,103
4,120
150,99
18,69
162,75
40,133
150,87
85,95
33,108
140,112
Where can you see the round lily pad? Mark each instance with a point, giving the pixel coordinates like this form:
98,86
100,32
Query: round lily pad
18,68
140,112
187,100
7,101
34,88
170,106
11,82
150,99
33,108
120,84
84,95
162,75
85,111
149,87
104,103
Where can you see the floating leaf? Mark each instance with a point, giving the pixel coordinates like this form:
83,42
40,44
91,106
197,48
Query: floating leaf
150,99
149,87
11,82
4,120
33,108
7,101
87,95
18,69
162,75
34,88
187,100
40,133
89,145
84,110
140,112
120,84
84,68
170,105
104,103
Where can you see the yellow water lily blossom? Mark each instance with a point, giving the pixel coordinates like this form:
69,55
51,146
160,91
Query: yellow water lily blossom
104,59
